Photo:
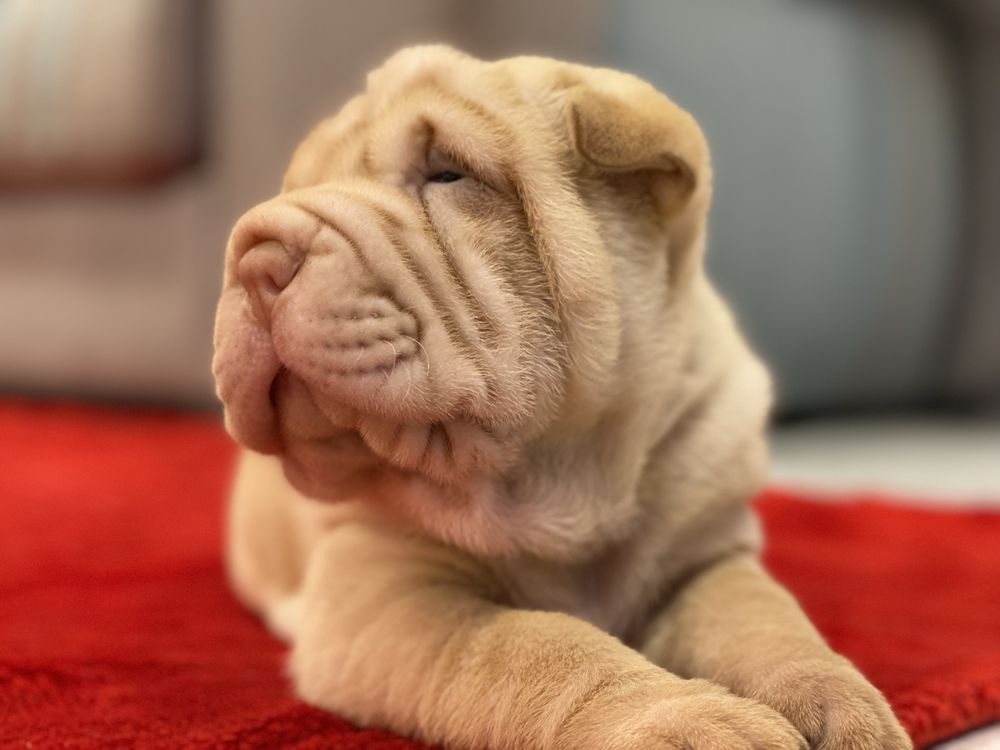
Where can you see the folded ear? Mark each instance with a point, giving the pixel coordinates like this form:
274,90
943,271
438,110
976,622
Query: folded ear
636,129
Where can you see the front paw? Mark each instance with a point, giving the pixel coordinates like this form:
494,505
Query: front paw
683,715
833,706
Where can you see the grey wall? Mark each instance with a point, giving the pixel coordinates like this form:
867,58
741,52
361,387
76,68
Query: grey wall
836,142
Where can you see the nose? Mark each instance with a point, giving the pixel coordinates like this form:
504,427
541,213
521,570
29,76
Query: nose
265,270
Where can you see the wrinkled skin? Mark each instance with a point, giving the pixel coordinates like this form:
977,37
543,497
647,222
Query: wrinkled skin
476,327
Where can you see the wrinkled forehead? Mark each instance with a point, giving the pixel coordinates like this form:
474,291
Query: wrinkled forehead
424,105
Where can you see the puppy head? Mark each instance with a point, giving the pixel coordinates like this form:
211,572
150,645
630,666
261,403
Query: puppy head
462,264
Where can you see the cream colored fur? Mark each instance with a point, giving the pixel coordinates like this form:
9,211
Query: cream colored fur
529,426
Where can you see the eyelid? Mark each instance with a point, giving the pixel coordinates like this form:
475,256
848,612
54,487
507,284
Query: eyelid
441,160
448,164
446,176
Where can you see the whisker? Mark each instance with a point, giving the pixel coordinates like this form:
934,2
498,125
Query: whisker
361,351
427,357
395,356
409,381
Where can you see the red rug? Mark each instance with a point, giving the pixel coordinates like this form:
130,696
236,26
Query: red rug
117,630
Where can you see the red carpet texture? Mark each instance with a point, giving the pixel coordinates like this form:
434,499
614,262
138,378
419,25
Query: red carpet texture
117,630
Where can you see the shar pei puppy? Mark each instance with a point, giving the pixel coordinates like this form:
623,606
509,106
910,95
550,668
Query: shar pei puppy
501,431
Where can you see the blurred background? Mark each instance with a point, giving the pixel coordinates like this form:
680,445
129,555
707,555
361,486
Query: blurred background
856,227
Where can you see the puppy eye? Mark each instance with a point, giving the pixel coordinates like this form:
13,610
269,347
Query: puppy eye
445,177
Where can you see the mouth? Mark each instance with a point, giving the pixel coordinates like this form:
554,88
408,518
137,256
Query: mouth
327,443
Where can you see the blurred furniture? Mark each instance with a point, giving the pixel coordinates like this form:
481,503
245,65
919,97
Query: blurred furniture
96,92
138,134
857,156
856,151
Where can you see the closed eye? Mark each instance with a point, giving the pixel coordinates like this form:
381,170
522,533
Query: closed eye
445,177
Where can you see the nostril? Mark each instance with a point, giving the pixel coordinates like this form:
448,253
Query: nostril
265,270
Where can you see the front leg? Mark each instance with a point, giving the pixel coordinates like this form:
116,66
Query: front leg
401,633
735,625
